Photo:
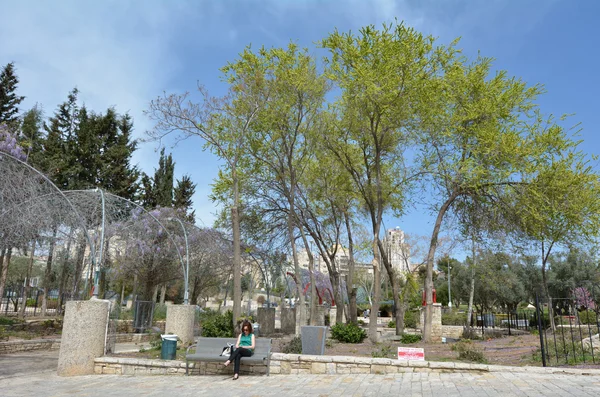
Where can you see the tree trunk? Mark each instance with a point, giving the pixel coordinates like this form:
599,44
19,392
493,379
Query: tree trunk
472,287
430,261
64,274
351,290
339,313
78,266
300,308
4,254
237,258
311,273
545,256
163,294
373,335
155,294
27,281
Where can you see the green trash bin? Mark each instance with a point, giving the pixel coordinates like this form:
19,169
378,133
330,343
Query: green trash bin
169,347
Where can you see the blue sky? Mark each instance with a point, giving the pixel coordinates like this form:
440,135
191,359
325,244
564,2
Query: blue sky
124,53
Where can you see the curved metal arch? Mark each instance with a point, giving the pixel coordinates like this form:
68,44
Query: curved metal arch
77,214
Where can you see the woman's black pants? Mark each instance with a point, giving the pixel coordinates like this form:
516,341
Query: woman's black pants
236,355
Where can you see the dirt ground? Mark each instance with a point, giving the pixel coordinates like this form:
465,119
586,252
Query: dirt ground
513,350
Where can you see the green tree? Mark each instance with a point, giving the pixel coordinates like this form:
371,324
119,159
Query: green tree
481,139
32,135
183,193
381,75
9,100
561,203
223,124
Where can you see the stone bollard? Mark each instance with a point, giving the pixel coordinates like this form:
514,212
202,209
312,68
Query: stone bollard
266,318
436,322
180,321
320,315
83,336
288,320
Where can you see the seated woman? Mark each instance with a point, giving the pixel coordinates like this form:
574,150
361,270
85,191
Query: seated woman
244,347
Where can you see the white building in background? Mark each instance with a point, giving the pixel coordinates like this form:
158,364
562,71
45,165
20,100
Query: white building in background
397,250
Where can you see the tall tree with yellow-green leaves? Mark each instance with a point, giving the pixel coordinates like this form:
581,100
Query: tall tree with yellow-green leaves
482,140
280,143
382,76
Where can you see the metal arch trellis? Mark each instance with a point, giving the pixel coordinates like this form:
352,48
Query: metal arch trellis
55,190
104,197
83,210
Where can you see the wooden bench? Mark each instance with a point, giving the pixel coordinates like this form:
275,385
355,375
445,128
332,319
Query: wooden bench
209,350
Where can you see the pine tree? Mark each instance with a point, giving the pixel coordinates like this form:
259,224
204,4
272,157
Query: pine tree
9,100
117,174
60,145
184,191
163,180
32,136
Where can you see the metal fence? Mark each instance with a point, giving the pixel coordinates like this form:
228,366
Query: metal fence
574,338
13,299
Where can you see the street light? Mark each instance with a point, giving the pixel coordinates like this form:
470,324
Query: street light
187,262
449,294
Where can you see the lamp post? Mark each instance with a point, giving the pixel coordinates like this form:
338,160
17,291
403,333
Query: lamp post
187,262
98,265
449,294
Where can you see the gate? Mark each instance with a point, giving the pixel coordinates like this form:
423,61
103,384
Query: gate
142,316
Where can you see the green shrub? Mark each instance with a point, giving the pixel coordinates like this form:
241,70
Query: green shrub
384,351
216,325
410,338
31,302
360,322
7,321
294,346
126,314
533,320
391,324
348,333
454,318
411,319
160,312
588,317
470,333
468,351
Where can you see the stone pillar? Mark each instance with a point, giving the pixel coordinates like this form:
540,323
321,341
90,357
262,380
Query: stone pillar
83,336
266,318
180,321
288,320
320,315
436,322
333,315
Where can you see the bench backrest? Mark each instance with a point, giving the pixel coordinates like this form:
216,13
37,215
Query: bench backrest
216,345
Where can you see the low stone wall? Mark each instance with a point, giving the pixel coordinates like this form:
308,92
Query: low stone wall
291,364
28,345
134,366
294,364
452,331
133,338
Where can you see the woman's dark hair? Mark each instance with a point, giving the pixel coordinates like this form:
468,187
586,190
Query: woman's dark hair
245,324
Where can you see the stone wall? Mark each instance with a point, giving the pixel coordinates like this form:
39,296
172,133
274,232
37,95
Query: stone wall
294,364
28,345
134,366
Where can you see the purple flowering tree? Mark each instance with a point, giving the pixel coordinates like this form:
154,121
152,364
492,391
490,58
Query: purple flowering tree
8,143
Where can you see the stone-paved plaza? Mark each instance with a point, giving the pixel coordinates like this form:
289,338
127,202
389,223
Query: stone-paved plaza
34,374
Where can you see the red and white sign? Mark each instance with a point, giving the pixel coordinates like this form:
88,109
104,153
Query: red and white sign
411,353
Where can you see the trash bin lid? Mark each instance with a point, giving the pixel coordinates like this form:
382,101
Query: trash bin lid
169,337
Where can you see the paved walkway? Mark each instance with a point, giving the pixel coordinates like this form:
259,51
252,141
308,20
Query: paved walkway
34,374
